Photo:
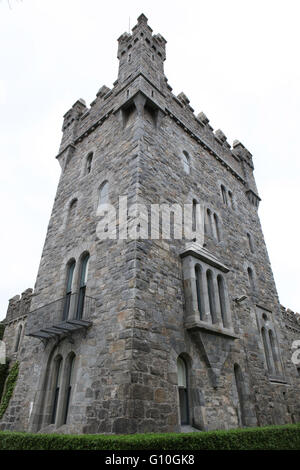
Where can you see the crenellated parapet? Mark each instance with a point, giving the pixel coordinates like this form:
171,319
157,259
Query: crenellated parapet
19,306
291,319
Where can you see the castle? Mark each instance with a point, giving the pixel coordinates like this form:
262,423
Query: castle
151,334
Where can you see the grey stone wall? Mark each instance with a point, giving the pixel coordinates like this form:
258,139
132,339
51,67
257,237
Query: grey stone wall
125,375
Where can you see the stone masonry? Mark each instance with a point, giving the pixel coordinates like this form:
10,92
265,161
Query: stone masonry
147,302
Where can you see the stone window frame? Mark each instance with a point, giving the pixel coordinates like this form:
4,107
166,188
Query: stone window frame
191,260
108,177
76,254
227,195
89,163
250,242
212,225
186,162
251,279
66,210
91,151
182,358
42,416
271,352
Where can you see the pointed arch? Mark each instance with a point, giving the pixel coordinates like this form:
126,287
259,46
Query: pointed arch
182,380
83,275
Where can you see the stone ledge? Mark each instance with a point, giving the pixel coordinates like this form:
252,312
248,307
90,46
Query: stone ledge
209,328
196,250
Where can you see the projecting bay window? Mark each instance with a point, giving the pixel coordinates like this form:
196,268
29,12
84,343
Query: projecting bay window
205,289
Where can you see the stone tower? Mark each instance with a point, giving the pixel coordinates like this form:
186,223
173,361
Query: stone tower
141,334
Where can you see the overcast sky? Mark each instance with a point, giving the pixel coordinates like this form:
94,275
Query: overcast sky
238,61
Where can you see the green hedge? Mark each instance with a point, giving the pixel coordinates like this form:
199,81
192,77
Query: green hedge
271,438
9,388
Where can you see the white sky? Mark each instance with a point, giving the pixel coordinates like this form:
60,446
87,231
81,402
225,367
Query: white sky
238,61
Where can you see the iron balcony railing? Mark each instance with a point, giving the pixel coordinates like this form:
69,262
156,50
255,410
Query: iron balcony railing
61,317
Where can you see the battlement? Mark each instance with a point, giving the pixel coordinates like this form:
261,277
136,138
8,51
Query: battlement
19,305
142,31
291,319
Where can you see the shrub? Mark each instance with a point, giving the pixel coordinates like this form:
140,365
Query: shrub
270,438
9,389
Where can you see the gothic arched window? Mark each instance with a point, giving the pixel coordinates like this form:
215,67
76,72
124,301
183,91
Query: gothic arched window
186,162
69,384
251,279
89,161
103,193
183,391
224,195
56,387
70,272
82,284
250,242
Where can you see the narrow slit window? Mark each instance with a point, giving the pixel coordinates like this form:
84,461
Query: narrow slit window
186,162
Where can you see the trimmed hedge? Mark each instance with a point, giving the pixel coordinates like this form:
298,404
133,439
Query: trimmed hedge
268,438
9,388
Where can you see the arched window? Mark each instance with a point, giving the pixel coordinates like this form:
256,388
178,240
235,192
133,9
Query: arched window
273,349
199,289
222,294
224,195
216,220
266,348
56,387
239,387
209,222
82,285
103,193
70,273
250,242
186,162
69,384
211,295
251,279
183,391
72,211
89,161
230,198
18,339
194,216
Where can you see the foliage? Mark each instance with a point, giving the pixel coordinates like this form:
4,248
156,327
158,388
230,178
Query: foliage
9,388
273,437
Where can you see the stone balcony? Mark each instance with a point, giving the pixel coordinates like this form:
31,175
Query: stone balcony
61,317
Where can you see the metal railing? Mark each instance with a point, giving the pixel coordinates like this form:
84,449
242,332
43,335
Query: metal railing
70,313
